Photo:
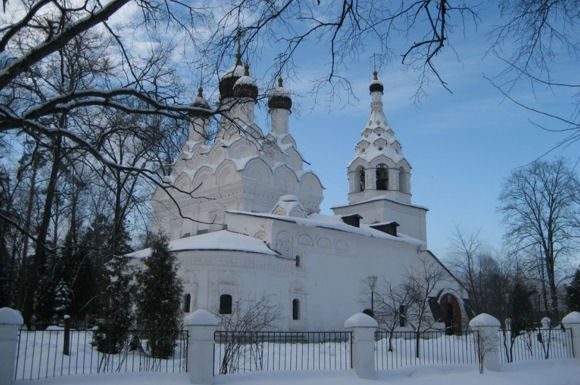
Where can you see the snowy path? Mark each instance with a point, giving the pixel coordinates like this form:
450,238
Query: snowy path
551,372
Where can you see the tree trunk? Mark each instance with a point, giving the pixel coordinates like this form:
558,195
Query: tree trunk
39,259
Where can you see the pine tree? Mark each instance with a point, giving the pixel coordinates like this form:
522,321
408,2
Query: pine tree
116,316
116,301
158,307
45,300
62,300
520,306
573,293
88,269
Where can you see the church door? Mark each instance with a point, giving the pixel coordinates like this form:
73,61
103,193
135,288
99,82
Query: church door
451,314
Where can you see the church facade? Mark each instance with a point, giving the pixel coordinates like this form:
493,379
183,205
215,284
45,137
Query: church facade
257,233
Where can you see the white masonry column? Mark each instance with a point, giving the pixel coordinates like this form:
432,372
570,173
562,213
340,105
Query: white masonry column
10,322
201,325
572,321
363,344
487,346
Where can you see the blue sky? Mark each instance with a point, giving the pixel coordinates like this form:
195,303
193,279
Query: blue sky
461,145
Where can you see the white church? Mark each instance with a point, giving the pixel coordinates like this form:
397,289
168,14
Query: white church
258,232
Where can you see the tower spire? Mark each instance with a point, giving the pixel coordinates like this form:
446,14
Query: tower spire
379,168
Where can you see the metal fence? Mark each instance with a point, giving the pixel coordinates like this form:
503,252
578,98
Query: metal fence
239,352
42,354
399,349
535,344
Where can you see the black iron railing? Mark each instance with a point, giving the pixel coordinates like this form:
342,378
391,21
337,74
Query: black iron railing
399,349
44,354
239,352
535,344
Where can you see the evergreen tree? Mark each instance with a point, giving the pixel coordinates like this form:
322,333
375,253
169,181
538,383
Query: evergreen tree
520,307
62,300
158,307
116,300
45,300
116,315
573,293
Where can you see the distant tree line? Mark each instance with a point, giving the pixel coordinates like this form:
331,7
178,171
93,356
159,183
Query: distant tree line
538,274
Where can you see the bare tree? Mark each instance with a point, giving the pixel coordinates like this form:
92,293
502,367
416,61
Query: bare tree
541,207
348,26
533,39
466,250
391,304
241,326
481,272
421,284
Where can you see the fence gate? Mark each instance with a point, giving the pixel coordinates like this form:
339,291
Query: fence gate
400,349
239,352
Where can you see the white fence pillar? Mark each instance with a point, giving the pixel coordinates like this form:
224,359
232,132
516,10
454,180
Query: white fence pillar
363,344
487,346
572,321
10,322
201,325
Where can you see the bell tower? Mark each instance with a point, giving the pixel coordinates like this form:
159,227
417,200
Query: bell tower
379,168
379,175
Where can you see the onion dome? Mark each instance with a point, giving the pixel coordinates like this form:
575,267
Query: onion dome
200,102
230,77
376,85
245,86
280,97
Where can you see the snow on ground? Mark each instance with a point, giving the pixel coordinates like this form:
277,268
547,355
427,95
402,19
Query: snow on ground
549,372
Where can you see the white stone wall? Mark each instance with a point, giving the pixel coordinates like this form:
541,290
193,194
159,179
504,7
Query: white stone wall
411,218
330,283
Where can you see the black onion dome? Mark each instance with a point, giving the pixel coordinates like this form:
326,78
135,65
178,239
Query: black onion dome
200,102
280,98
245,86
230,77
376,85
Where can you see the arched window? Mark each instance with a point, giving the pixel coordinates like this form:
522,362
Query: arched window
295,309
225,304
187,303
402,316
403,180
382,177
361,180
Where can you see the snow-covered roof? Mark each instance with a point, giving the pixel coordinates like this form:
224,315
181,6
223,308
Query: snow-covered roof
280,91
245,80
380,198
235,71
218,240
335,222
200,101
289,205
